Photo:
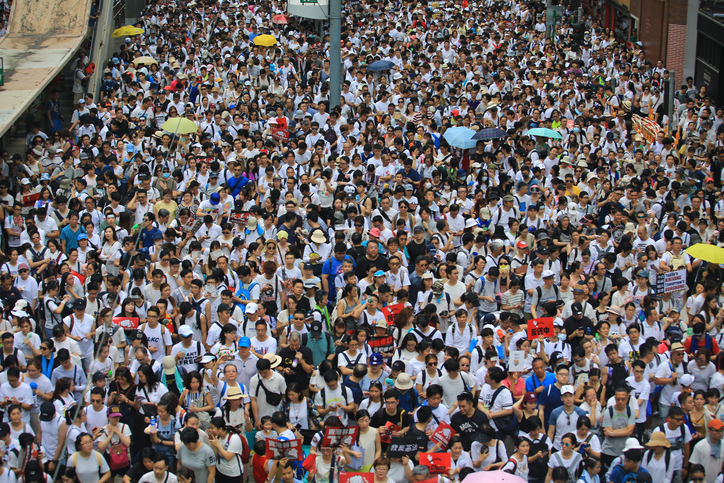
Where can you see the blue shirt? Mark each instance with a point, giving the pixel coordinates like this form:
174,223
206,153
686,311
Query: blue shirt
533,383
619,475
333,267
413,175
71,237
147,236
551,399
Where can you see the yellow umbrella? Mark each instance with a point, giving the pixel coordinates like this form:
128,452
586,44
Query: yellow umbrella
146,60
180,125
265,40
126,31
706,252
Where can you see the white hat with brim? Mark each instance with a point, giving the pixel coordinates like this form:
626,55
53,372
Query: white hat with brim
274,359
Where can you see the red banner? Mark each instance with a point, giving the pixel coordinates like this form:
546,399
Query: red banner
391,428
542,326
240,219
391,312
443,433
335,437
127,323
207,160
29,200
348,477
438,463
291,449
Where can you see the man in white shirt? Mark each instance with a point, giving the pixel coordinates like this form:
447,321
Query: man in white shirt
79,329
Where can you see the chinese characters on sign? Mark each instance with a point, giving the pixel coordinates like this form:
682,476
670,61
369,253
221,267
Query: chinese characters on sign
335,437
400,447
542,326
443,433
291,449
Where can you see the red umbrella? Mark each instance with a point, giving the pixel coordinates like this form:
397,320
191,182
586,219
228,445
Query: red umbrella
280,19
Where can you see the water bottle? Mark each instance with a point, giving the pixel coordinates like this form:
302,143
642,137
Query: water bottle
295,363
34,386
153,425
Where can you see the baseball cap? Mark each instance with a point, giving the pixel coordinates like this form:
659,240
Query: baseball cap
47,411
185,331
522,244
251,308
568,389
245,342
207,359
316,329
548,274
82,236
114,412
398,366
79,304
577,309
308,266
214,199
376,359
529,397
380,273
715,424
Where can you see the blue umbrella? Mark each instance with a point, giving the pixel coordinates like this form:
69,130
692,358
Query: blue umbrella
380,65
490,133
460,137
544,132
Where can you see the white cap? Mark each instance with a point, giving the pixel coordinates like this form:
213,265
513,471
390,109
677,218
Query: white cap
548,273
686,380
251,308
185,331
632,443
568,389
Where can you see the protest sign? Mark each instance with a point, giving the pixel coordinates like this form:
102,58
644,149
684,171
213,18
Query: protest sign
391,428
671,282
400,447
240,219
443,433
349,477
291,449
29,200
126,323
542,326
335,437
517,361
438,463
391,312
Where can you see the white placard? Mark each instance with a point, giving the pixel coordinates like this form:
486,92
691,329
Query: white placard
517,361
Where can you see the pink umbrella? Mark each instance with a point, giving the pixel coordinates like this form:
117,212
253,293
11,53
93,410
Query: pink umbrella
280,19
492,477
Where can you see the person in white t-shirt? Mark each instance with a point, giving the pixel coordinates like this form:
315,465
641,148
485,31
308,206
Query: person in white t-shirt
159,337
263,344
160,473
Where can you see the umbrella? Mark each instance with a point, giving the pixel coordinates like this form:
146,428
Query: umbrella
545,133
490,133
380,65
126,31
180,125
492,477
265,40
280,19
460,137
706,252
146,60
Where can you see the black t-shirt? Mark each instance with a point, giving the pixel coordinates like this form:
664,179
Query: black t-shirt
415,250
298,375
137,471
363,264
302,303
380,418
571,324
466,427
420,436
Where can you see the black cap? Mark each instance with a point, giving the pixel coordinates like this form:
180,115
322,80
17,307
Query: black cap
47,411
316,328
79,304
577,309
398,366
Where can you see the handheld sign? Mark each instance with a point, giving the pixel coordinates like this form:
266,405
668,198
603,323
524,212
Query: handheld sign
517,361
391,312
400,447
443,433
438,463
291,449
335,437
349,477
542,326
391,428
29,200
126,323
240,219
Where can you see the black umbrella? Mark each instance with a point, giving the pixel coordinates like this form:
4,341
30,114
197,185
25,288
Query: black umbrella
490,133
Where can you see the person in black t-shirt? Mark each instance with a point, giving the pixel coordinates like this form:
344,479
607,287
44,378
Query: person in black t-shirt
578,326
302,370
390,413
418,430
468,421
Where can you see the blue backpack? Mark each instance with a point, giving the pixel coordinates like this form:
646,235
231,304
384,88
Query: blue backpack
244,293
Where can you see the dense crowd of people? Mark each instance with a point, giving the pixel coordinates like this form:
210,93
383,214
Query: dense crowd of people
175,300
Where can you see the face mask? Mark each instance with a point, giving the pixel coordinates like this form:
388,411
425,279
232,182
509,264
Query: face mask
166,175
428,185
485,178
561,337
575,129
447,188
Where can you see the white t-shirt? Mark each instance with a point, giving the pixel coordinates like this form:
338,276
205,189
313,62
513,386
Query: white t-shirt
269,346
160,338
150,477
87,468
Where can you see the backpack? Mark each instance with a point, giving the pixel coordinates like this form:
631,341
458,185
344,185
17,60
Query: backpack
424,337
515,466
629,477
573,469
628,411
99,459
424,376
679,441
470,329
667,456
617,374
196,305
447,298
539,291
344,395
677,263
507,425
244,293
